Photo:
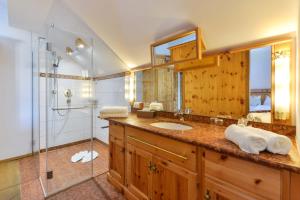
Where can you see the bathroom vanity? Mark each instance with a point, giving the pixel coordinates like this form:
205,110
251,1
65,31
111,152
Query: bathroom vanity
147,162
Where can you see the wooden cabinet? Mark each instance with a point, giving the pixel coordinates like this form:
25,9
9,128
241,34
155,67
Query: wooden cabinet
185,51
147,166
232,178
155,171
170,181
116,173
206,61
138,172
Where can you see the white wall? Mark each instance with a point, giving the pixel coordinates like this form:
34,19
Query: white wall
74,125
260,68
15,89
110,92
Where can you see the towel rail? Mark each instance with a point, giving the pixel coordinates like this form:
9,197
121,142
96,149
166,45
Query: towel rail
70,108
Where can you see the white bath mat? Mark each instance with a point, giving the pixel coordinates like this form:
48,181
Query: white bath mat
78,156
88,156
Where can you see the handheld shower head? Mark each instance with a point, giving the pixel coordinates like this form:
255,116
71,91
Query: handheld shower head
57,61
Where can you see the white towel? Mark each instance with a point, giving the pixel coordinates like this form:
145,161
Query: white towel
78,156
247,140
276,143
156,106
113,111
88,157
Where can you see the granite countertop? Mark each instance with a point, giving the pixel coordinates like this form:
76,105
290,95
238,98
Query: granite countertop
211,137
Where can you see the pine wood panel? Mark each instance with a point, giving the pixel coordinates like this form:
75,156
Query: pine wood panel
180,153
173,182
184,51
219,190
295,186
206,61
219,90
117,154
259,180
138,176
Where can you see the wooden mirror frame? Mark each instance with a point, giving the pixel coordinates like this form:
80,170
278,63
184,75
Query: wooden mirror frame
199,47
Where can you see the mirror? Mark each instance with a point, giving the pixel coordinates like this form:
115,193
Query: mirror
260,84
179,48
158,85
256,83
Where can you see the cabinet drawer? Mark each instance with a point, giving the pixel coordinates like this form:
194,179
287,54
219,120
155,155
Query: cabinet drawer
257,179
116,132
177,152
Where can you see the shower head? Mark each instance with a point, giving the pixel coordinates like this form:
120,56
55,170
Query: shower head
57,61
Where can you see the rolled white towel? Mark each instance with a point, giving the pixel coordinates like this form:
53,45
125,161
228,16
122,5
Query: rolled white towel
247,140
113,111
156,106
276,143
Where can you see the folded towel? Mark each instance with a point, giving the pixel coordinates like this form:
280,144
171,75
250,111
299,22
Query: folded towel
247,140
116,115
276,143
156,106
113,111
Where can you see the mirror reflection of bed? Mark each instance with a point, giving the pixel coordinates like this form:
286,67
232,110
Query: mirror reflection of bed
260,84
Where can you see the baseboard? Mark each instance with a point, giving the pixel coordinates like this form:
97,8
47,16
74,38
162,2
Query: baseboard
16,158
115,183
65,145
100,141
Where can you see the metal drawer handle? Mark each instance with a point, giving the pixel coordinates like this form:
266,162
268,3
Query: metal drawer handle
207,195
156,147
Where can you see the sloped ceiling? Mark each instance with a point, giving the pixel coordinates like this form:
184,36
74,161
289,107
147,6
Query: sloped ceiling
130,26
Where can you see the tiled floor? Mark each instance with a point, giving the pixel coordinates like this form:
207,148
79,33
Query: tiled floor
21,178
66,173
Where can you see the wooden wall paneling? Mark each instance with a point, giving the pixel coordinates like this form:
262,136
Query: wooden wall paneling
295,185
219,90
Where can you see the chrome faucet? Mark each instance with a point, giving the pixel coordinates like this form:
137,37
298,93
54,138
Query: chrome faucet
180,113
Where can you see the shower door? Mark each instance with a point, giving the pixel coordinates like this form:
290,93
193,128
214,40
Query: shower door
67,92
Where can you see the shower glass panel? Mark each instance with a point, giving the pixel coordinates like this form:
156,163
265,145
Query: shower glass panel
66,110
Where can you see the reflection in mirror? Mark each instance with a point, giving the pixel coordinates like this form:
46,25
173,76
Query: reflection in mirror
260,84
172,51
257,84
158,85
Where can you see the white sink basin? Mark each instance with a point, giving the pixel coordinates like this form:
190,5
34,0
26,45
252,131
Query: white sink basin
171,126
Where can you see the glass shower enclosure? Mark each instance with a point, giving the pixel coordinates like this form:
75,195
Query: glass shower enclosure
63,109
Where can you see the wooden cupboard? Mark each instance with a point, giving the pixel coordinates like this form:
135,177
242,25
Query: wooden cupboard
116,173
155,170
154,167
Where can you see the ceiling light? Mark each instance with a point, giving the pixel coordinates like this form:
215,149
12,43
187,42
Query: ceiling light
80,43
69,51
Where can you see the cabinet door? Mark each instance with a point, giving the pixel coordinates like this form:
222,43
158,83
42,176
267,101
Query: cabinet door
117,159
215,190
138,175
172,182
